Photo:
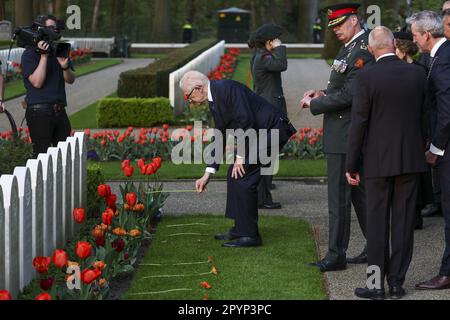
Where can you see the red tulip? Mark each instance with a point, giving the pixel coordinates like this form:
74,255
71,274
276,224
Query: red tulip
59,258
5,295
88,276
107,217
131,199
150,169
128,171
46,284
83,249
103,190
111,201
141,163
43,296
118,244
41,264
165,127
79,215
125,163
100,241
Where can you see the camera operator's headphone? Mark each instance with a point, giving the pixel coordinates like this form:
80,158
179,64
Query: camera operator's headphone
40,21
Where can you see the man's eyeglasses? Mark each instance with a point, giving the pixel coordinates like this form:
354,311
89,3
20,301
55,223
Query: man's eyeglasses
188,96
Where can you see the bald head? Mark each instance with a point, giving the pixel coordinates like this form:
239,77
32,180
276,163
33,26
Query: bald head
381,41
446,5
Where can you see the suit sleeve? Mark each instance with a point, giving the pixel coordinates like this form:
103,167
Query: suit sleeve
274,62
442,83
342,99
358,128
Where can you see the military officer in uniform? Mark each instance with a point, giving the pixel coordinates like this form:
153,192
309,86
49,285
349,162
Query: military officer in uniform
335,103
267,64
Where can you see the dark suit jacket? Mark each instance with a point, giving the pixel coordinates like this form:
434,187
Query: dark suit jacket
439,91
388,122
237,107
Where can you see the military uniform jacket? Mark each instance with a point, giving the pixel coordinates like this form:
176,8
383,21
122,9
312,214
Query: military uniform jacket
266,69
336,106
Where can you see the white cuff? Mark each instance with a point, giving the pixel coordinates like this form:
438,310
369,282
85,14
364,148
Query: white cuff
436,151
239,157
210,170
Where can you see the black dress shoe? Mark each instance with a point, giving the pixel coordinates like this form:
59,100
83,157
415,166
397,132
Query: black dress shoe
374,294
432,211
396,292
327,265
360,259
270,206
225,236
244,242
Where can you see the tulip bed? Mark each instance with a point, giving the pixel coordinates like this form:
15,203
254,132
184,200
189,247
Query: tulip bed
109,145
104,249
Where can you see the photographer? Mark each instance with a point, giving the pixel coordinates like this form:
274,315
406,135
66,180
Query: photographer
45,76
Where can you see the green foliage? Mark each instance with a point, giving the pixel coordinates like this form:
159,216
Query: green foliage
119,113
14,153
153,80
95,178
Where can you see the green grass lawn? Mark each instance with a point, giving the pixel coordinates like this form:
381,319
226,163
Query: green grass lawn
288,168
241,71
148,55
87,117
276,271
16,88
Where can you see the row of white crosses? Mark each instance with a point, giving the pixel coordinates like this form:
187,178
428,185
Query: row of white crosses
36,205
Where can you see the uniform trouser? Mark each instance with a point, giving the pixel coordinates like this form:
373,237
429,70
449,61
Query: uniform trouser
444,179
340,197
391,209
437,194
242,201
47,128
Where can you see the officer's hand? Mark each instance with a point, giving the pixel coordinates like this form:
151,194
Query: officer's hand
431,158
43,46
2,107
64,62
306,102
276,43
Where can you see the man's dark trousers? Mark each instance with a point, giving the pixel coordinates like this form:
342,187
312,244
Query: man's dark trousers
340,198
444,180
391,199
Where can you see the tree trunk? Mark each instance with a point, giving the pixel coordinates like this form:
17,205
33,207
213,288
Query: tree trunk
49,5
58,9
23,12
304,32
2,9
161,21
95,17
36,8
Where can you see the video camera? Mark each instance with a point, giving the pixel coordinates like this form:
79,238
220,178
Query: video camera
31,36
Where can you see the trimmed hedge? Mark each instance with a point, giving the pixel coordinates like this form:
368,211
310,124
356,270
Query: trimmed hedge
153,80
121,113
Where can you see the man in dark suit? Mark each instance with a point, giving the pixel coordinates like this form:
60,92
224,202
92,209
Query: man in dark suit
235,107
335,103
428,31
389,129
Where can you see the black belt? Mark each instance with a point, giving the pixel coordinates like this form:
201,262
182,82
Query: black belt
57,107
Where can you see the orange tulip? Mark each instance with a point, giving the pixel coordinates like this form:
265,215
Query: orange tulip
206,285
135,233
119,232
100,265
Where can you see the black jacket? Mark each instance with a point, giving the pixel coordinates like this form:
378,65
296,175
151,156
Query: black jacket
237,107
439,92
388,122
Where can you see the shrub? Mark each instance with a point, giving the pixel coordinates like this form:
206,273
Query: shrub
95,178
153,80
14,152
119,113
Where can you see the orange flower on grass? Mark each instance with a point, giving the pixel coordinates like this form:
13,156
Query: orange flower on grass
359,63
205,285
